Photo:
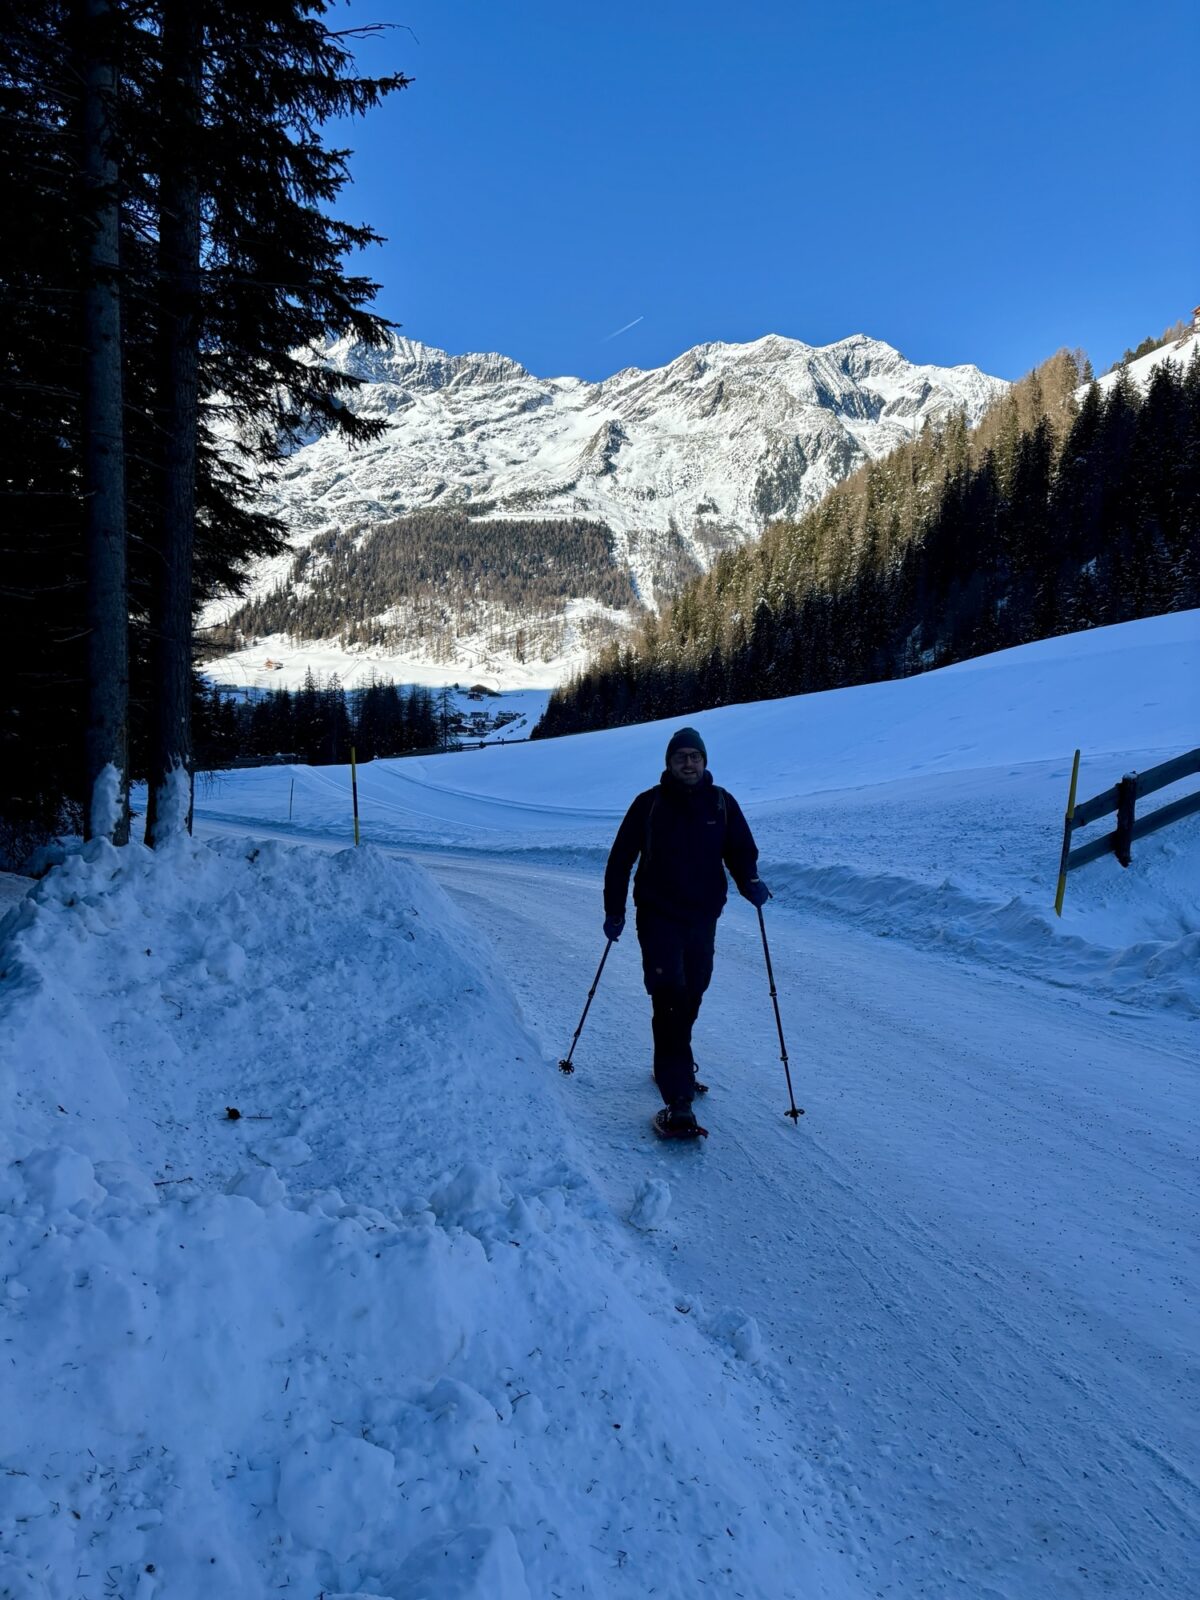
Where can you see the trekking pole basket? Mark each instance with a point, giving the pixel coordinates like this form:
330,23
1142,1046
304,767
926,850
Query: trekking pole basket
565,1066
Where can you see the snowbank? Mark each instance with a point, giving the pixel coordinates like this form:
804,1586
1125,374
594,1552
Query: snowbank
312,1347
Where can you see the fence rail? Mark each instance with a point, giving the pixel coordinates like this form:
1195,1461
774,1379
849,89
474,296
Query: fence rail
1123,798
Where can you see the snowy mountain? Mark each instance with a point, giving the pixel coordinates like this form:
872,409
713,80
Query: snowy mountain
724,438
678,462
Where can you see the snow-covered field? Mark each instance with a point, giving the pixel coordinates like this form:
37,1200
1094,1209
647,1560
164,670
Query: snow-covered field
473,661
429,1319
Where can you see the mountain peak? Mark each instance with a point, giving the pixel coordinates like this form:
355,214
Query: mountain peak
705,449
413,365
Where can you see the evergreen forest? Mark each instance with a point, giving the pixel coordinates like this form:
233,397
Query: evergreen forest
169,254
1060,511
319,724
423,579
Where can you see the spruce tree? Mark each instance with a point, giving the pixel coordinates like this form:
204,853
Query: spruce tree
93,255
42,627
98,38
274,281
180,114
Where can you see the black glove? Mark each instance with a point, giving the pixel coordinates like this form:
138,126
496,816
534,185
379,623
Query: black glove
614,927
757,892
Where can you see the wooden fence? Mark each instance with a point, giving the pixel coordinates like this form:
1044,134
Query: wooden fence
1123,798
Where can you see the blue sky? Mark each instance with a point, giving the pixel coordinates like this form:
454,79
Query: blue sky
970,182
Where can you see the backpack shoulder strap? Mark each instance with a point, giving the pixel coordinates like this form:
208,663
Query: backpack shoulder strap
650,810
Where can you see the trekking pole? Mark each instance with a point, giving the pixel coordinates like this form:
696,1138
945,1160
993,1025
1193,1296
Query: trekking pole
564,1065
354,790
797,1111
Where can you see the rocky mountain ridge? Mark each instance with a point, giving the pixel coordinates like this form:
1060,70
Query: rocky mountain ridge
677,462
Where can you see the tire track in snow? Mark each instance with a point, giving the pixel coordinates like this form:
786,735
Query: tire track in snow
962,1404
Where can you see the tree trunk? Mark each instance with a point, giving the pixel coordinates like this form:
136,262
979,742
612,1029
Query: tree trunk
106,811
170,766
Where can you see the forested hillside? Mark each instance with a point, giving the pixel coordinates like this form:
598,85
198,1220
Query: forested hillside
1056,513
433,575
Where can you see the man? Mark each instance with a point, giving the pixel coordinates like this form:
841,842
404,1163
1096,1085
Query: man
686,832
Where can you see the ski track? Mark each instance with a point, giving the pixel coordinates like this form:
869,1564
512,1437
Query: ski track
959,1359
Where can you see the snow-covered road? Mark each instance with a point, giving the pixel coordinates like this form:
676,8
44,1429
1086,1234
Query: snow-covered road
939,1340
964,1264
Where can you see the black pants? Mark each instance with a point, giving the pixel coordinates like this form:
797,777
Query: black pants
677,963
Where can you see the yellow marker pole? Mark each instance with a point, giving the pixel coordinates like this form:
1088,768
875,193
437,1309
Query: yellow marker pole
354,790
1066,849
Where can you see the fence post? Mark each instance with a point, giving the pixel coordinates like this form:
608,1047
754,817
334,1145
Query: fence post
1126,801
1066,849
291,797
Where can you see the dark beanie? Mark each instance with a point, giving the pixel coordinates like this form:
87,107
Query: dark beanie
686,738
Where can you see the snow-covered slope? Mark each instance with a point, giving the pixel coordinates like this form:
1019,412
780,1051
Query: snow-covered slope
1180,351
688,458
929,807
430,1319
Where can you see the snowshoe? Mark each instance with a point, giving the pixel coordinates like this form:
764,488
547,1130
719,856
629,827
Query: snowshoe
678,1122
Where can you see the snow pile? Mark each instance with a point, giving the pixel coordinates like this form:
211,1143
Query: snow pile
309,1345
651,1204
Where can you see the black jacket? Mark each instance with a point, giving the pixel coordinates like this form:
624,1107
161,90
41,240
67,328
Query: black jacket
686,837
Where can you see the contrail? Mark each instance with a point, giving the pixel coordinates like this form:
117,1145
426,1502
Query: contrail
625,329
